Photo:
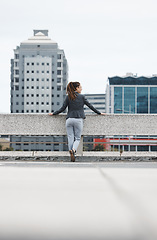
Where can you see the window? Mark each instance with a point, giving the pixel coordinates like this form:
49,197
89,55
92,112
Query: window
52,95
59,56
32,79
42,79
47,111
32,64
57,103
22,95
47,71
32,111
27,87
27,111
58,72
47,64
17,111
58,88
27,79
42,110
58,80
37,63
16,56
37,95
47,103
47,87
27,103
59,64
52,87
27,95
153,99
38,45
16,72
37,87
37,71
42,87
52,80
118,100
27,71
47,95
129,100
53,72
27,64
142,100
52,103
32,103
47,79
17,103
37,103
22,87
42,95
16,79
42,71
32,71
37,111
42,63
37,79
42,103
58,95
32,87
17,95
16,88
32,95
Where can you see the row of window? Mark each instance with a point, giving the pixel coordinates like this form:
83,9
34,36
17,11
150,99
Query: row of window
32,87
59,72
37,95
59,56
59,64
37,79
34,111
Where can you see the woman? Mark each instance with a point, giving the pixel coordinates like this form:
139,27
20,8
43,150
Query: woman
74,120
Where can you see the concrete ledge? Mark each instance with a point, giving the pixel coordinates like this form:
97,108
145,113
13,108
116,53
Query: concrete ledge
43,124
86,157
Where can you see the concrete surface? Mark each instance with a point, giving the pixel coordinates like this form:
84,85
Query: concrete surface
78,201
110,124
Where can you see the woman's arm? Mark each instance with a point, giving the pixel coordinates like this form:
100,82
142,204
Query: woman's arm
65,104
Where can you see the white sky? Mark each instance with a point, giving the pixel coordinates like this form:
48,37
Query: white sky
101,38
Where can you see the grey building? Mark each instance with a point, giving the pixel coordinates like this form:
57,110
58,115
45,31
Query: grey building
39,75
97,100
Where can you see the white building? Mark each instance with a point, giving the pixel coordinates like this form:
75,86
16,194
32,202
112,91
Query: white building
39,75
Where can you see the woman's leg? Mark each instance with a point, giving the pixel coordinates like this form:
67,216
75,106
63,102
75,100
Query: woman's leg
78,127
70,132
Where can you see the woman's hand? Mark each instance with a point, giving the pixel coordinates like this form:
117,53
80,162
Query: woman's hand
103,113
50,114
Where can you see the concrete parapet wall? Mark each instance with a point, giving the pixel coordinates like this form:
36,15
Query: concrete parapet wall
43,124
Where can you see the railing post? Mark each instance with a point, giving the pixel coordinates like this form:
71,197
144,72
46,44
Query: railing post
80,147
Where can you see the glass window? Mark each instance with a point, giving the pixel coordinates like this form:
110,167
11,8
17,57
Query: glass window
59,64
117,99
153,99
58,80
142,100
58,72
58,88
129,100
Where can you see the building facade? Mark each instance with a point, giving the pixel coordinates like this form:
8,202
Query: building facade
97,100
39,75
131,94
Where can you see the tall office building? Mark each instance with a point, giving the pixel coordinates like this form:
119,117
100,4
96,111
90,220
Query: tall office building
131,94
39,75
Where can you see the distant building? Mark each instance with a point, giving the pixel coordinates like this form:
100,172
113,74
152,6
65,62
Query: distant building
131,94
39,75
97,100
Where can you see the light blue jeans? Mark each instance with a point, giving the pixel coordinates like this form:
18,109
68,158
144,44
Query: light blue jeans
74,128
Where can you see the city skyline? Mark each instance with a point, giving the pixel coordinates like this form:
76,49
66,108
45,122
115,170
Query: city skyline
101,39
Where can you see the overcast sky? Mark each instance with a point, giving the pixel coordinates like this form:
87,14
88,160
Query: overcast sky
101,38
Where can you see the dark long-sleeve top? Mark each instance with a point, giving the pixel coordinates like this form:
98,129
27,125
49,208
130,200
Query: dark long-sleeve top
75,107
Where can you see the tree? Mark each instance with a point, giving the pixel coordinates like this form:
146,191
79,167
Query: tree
99,147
